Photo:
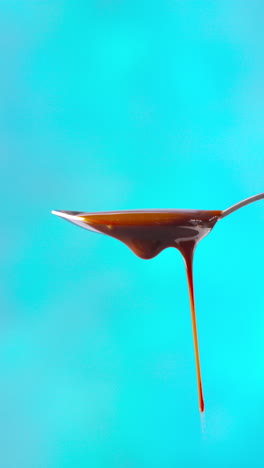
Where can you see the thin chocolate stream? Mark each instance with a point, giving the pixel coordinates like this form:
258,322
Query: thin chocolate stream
188,254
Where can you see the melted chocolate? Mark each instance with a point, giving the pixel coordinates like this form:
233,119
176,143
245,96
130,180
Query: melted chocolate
147,233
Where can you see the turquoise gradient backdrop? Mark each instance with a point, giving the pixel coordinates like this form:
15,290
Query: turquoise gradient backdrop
109,105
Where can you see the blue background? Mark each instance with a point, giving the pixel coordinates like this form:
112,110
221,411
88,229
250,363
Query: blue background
109,105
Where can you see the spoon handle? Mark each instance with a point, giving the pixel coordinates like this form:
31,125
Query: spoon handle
245,202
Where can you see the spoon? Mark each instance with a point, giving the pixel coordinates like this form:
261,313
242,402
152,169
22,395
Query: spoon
148,232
